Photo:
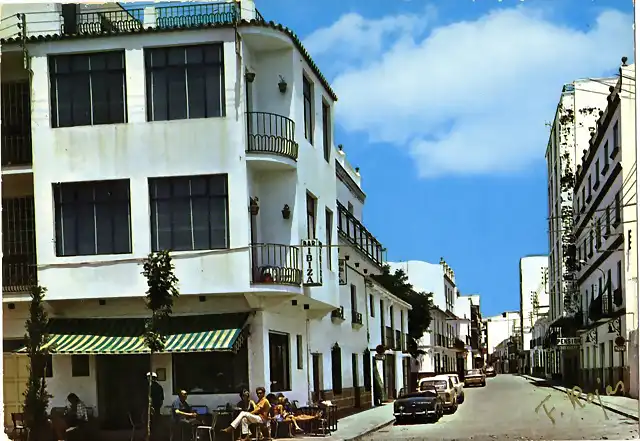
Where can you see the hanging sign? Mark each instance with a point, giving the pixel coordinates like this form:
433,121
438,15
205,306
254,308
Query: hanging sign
342,271
312,262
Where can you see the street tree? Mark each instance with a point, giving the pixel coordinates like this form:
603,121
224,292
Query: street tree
419,317
161,292
36,397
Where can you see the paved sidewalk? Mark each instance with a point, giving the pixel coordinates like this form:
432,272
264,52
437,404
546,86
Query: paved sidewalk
623,405
359,425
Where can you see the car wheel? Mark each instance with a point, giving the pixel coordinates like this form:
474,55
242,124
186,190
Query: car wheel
484,383
462,398
399,421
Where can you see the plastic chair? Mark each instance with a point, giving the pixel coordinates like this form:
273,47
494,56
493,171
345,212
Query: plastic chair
135,426
208,429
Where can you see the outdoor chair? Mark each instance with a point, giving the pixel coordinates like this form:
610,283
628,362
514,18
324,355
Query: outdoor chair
201,431
19,428
137,425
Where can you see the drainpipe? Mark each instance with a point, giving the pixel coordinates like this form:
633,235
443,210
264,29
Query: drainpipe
309,367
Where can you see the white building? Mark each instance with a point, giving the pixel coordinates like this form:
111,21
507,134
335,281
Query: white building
505,326
439,342
534,298
231,171
537,354
604,230
573,121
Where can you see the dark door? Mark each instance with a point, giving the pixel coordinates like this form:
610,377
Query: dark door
355,374
390,380
316,362
122,389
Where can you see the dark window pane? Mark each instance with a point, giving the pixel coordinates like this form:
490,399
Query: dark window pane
218,222
86,237
156,58
201,222
213,89
197,95
98,62
177,93
159,105
213,54
181,224
79,63
195,55
115,60
176,56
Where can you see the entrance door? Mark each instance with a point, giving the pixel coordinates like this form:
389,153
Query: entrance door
122,389
316,363
390,380
14,379
355,374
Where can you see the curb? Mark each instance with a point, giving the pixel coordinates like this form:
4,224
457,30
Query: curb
583,397
370,430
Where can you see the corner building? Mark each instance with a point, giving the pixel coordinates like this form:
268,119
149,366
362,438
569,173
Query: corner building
202,129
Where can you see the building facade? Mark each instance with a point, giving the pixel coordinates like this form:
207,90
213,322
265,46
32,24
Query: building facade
534,300
604,228
503,331
176,136
574,119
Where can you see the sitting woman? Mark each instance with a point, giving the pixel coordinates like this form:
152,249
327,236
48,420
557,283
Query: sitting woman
283,414
246,404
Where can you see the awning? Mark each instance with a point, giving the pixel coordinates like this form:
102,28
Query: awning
201,333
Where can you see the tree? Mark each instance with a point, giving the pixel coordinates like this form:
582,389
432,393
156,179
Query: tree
161,292
419,316
36,398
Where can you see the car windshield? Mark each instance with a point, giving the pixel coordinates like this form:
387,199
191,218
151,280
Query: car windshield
473,372
424,393
438,384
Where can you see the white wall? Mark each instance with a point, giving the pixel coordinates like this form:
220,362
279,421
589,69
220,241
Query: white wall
425,277
532,283
500,328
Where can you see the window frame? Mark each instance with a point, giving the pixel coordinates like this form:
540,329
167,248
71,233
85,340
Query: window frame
299,352
237,364
209,196
329,235
203,67
326,130
286,361
102,210
307,107
82,370
55,78
312,215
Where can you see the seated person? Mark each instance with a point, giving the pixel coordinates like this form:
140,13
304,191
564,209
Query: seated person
246,404
259,415
282,414
183,415
75,418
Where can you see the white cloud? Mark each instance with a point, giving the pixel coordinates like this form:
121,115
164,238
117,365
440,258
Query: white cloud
470,97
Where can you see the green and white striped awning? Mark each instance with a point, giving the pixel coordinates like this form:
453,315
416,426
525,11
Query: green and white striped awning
213,332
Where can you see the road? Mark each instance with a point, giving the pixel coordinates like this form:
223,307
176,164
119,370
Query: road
506,409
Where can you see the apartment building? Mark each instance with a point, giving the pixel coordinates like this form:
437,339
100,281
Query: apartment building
538,353
604,230
574,119
441,343
205,130
504,330
534,299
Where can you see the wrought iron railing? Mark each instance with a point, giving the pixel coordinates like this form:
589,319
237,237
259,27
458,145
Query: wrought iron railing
197,15
18,244
16,123
96,22
271,133
358,235
356,317
277,264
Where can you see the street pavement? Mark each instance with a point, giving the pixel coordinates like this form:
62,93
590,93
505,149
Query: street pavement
506,409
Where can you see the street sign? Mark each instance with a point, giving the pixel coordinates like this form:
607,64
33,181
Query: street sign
569,342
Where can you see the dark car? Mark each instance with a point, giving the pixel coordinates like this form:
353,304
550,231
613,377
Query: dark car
423,405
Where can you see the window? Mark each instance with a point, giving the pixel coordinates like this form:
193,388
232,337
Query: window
311,217
597,174
326,130
279,362
598,235
372,306
79,365
354,298
616,137
329,232
87,89
617,209
619,267
366,367
584,198
92,218
608,286
307,95
189,213
185,82
299,351
590,186
606,157
211,372
607,214
599,286
336,369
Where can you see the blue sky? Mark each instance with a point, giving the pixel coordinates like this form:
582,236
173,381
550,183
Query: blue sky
443,107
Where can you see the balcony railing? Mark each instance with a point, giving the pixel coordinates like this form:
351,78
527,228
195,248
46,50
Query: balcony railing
93,22
197,15
338,313
388,334
271,133
277,264
356,318
18,245
16,123
357,234
601,307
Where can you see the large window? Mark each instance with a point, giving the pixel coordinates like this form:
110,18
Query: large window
211,372
92,218
279,362
87,89
189,213
307,95
185,82
326,130
311,217
336,369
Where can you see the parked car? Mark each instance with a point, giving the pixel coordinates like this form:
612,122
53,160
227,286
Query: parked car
490,371
425,404
445,389
457,384
475,377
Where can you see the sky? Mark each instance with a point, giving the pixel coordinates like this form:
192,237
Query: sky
443,107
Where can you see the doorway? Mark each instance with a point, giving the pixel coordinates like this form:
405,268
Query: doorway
356,380
390,377
316,363
122,389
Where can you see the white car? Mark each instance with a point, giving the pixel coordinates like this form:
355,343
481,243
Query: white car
445,388
457,384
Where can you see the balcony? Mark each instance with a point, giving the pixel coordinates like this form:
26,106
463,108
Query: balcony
101,21
354,232
356,318
617,297
275,264
16,124
19,272
337,315
601,307
398,345
271,134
